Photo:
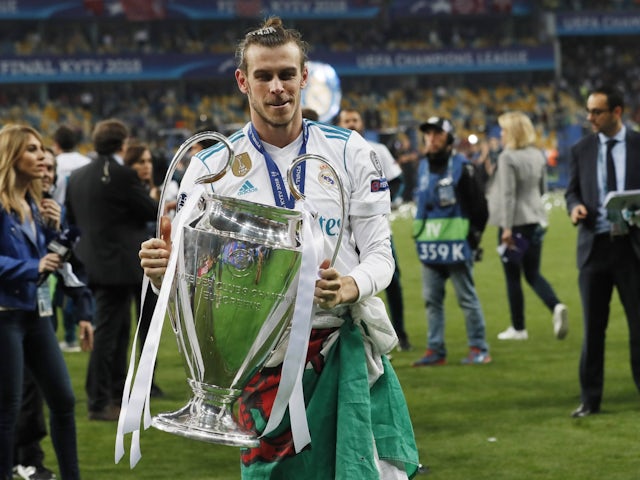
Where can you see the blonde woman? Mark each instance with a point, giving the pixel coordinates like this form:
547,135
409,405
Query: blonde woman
517,209
27,340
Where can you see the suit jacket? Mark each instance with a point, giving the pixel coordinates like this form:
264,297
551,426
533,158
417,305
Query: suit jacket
583,187
515,196
111,212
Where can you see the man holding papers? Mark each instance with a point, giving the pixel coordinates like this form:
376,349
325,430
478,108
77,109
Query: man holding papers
608,253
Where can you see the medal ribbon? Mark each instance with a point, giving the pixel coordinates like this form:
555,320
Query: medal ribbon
280,195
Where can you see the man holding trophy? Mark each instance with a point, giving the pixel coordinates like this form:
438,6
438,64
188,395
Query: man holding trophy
357,417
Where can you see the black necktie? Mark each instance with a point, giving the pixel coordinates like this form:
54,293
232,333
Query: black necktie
611,168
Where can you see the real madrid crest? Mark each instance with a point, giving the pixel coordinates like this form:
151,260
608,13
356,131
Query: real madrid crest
241,164
325,177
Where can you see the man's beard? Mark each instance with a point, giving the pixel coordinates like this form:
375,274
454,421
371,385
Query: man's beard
440,158
274,121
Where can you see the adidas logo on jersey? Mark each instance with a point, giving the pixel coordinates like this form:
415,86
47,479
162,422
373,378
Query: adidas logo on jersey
247,187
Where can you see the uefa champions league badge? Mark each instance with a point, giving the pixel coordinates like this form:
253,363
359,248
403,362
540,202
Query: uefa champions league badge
378,184
376,163
322,92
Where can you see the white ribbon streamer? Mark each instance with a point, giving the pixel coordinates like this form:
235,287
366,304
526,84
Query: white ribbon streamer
136,398
290,389
68,277
197,371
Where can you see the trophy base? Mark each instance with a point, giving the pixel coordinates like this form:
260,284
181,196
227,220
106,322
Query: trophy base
206,423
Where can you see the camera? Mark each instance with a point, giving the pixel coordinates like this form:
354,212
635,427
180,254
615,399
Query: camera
446,192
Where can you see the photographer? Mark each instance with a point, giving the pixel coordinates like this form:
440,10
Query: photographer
450,218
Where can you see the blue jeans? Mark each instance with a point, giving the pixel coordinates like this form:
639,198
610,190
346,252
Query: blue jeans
27,339
530,266
67,307
69,321
434,278
65,304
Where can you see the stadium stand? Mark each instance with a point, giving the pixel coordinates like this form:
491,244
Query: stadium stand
393,103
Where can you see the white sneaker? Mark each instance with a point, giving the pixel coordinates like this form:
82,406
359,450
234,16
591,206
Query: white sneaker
513,334
70,347
23,472
560,321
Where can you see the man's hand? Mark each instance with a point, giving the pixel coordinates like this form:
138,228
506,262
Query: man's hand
86,335
631,216
154,253
333,289
579,212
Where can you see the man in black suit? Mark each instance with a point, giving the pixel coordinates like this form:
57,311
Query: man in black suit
106,200
608,247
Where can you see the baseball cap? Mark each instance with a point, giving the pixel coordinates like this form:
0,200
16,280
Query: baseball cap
437,123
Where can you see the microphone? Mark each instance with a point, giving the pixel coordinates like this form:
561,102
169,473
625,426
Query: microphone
50,223
62,245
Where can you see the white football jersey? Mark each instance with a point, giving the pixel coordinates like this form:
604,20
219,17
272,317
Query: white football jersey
66,163
365,252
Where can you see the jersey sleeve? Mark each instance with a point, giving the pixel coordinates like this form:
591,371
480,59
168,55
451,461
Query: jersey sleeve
373,239
369,207
389,165
369,188
196,169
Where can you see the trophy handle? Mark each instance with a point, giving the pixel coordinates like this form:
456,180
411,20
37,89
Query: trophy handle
300,196
184,148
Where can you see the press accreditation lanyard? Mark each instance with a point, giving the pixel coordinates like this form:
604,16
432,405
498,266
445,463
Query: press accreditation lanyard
280,195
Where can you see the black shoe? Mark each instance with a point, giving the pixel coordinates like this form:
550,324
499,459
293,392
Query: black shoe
403,345
584,411
110,413
43,473
156,391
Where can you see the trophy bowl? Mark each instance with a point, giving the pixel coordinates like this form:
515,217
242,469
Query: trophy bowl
232,299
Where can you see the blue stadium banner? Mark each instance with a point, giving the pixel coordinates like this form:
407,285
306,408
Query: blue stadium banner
114,68
425,62
614,23
142,10
49,69
429,8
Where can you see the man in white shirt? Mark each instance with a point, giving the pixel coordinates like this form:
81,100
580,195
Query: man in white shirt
351,119
68,159
271,73
65,141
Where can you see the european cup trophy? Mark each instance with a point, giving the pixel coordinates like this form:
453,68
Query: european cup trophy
232,299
